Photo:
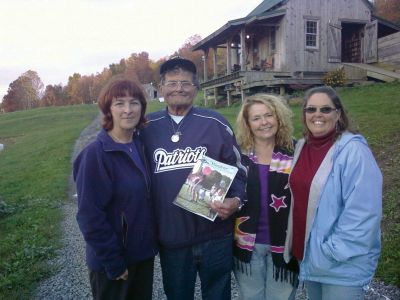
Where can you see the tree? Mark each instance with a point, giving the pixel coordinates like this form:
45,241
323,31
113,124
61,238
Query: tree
118,68
12,100
155,66
36,82
99,81
138,67
72,89
85,88
388,9
53,96
196,57
23,93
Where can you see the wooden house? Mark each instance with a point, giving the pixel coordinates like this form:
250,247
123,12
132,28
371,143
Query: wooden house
150,91
285,43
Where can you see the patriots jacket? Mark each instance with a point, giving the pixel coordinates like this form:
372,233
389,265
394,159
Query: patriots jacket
342,241
203,132
114,208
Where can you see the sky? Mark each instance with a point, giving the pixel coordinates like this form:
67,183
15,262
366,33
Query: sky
57,38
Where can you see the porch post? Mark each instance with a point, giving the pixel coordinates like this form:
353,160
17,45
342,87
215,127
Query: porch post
242,95
243,47
215,62
205,57
205,97
251,51
228,94
228,56
282,90
215,96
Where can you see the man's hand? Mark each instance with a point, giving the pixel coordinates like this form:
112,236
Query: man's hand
227,208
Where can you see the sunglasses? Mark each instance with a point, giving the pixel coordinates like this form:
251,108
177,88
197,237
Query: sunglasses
325,109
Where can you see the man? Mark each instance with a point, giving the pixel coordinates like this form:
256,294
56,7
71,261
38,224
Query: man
175,139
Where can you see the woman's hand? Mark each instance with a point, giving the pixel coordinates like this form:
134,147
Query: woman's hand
124,276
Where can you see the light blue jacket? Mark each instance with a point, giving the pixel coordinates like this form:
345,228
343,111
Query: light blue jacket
342,240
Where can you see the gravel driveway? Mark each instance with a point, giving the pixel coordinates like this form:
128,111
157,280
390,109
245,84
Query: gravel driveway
71,280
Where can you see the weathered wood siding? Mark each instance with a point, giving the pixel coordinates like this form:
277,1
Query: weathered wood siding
389,49
263,47
354,73
280,41
295,56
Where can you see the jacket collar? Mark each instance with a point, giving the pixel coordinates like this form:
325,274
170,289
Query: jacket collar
345,138
190,112
109,144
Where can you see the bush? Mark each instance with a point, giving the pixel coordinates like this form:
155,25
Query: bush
335,78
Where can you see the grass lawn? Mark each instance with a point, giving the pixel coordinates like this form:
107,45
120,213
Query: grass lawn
35,166
34,171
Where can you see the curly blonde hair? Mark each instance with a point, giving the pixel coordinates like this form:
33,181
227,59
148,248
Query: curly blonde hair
283,115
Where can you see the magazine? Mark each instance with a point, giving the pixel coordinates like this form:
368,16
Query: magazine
208,181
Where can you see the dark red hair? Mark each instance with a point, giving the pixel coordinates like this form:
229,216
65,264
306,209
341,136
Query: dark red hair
120,86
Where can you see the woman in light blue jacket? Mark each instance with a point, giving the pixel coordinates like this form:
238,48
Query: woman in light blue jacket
334,222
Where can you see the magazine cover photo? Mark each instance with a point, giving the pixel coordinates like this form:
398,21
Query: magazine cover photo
208,181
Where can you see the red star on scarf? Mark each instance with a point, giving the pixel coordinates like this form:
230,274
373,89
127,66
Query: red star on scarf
278,202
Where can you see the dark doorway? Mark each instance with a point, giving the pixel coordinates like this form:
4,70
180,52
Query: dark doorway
352,47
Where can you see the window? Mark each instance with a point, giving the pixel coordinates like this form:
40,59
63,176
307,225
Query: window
311,34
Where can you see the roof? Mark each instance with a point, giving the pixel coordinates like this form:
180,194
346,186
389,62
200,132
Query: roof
266,9
234,25
386,23
268,4
264,6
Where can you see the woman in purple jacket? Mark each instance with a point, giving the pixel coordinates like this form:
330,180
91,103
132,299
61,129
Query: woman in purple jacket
114,210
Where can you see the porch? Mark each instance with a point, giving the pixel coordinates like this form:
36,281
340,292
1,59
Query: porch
242,83
242,55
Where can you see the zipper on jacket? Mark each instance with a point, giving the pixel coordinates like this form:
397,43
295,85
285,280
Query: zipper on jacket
124,225
142,155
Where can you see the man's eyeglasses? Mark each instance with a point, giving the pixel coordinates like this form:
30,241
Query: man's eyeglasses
186,85
324,109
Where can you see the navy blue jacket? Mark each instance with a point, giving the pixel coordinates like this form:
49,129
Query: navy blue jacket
202,132
114,209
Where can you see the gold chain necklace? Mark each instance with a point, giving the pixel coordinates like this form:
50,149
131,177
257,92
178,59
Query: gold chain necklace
119,141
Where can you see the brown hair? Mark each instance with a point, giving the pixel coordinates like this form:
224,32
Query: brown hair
343,124
282,113
120,86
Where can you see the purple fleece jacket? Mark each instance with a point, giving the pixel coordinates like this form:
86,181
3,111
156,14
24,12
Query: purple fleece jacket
114,210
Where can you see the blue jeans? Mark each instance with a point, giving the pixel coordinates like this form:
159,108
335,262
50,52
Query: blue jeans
260,284
211,260
323,291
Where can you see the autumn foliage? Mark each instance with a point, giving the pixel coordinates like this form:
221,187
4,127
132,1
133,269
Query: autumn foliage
23,93
27,91
388,10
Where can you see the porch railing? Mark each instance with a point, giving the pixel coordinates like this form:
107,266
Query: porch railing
223,79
